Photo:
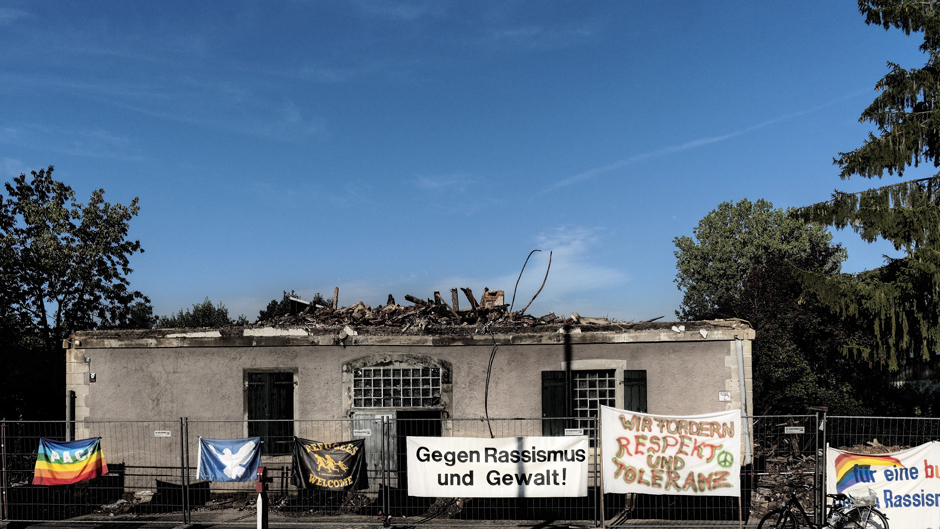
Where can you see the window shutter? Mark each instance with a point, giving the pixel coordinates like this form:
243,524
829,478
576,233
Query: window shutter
270,397
555,396
634,390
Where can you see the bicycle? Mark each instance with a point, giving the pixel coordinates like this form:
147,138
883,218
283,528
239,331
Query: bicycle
845,512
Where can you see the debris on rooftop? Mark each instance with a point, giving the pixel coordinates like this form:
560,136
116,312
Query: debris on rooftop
421,313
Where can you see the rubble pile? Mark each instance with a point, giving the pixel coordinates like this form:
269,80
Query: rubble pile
788,462
421,314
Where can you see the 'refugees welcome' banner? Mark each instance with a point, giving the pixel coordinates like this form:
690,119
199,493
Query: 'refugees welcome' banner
63,463
329,466
505,467
697,455
907,483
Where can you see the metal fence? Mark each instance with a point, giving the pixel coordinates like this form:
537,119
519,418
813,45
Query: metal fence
152,474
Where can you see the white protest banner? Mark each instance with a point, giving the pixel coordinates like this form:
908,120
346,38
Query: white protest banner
696,455
507,467
906,483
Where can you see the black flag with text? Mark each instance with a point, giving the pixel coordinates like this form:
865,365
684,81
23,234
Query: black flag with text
329,466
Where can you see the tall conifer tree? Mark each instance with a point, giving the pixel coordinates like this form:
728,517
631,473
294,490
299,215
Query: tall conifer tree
899,302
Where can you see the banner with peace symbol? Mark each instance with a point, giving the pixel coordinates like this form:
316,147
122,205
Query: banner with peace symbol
696,455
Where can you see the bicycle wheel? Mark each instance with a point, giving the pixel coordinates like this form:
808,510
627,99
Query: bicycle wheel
866,519
778,519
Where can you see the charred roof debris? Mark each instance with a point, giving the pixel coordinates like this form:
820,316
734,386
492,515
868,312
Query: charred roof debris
419,315
435,315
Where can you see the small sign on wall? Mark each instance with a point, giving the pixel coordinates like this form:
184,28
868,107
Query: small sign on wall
724,396
161,433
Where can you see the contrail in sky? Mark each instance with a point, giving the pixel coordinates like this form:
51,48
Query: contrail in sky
591,173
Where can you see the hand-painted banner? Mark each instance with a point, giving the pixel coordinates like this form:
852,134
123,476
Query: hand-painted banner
906,483
229,459
330,466
62,463
508,467
695,455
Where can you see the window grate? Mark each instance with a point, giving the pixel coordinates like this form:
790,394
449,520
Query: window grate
590,390
400,387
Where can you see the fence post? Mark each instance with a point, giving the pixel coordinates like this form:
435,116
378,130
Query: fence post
5,514
70,415
599,492
821,453
386,479
184,463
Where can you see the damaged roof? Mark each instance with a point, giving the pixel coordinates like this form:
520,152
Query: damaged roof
432,318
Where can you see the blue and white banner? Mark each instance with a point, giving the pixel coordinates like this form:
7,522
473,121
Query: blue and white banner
906,483
229,459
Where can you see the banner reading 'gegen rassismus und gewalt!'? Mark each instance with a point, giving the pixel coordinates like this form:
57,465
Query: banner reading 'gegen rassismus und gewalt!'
507,467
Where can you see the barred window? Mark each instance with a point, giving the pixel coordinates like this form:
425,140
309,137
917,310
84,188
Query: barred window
572,399
398,387
590,390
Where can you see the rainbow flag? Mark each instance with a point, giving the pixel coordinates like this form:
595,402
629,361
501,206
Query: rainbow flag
61,463
852,469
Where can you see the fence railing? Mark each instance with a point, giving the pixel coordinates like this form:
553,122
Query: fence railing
152,473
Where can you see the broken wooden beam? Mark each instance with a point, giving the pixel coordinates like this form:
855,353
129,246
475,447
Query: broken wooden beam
469,293
416,301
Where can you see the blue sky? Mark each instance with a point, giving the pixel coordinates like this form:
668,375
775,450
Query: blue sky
407,147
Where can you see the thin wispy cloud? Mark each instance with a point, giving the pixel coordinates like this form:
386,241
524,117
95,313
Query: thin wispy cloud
407,11
575,275
454,182
535,37
700,142
11,168
575,272
219,105
90,143
9,15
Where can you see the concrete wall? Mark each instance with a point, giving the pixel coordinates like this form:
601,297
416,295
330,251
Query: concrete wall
203,377
156,378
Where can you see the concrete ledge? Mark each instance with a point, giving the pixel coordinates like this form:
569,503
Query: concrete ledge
390,337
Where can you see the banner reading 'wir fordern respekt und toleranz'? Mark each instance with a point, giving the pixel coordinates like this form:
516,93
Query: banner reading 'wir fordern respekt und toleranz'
697,455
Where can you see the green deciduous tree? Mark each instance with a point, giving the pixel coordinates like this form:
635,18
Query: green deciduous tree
64,268
139,315
282,306
203,314
747,262
898,303
728,243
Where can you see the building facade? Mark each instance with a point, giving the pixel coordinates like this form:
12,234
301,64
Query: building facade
270,379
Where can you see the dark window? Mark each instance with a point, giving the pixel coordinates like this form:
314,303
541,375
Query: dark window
634,390
270,402
572,399
555,402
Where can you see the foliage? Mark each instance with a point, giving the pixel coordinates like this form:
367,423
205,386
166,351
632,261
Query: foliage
137,316
282,307
728,243
203,314
63,267
898,302
797,352
748,262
